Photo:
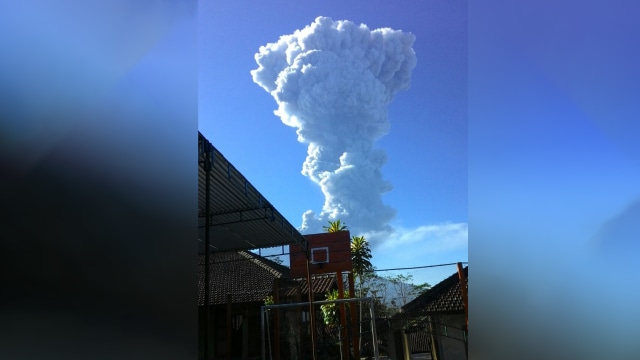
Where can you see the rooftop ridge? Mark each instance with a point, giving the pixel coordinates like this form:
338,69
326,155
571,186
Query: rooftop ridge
433,294
269,265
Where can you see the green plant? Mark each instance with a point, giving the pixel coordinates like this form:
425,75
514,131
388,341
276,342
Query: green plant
331,312
335,226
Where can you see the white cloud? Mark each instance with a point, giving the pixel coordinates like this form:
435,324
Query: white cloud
434,238
333,81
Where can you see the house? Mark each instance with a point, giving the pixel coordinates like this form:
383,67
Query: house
234,217
440,313
239,284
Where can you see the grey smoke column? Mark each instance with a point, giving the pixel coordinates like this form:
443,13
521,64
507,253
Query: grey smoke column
333,81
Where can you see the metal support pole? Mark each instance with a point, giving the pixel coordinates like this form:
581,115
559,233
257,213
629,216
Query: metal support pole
207,169
276,320
354,318
263,313
228,326
312,316
374,334
344,342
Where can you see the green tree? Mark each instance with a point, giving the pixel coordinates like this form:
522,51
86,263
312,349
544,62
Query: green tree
330,312
422,288
335,226
378,288
405,290
360,257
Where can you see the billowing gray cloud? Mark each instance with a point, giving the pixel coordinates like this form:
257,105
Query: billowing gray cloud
333,81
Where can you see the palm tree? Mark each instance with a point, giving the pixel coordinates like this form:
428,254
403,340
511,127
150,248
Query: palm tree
335,226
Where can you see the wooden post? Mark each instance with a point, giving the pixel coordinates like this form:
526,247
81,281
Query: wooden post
435,338
355,328
463,289
344,343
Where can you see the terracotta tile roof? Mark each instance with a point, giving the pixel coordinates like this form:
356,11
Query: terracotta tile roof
443,297
246,276
320,283
250,278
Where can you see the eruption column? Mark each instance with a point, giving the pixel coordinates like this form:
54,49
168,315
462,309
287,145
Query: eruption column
333,81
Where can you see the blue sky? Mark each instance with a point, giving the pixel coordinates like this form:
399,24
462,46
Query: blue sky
553,153
426,146
554,176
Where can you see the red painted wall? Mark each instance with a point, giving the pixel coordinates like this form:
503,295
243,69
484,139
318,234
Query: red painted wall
339,250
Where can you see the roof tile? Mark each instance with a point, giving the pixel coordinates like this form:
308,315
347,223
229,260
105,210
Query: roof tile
443,297
248,277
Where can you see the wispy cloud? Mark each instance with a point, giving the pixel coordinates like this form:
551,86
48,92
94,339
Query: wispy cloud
434,238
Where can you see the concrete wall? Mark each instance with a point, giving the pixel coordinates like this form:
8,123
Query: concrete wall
449,337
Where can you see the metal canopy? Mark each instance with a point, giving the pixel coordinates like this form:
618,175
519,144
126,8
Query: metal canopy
240,218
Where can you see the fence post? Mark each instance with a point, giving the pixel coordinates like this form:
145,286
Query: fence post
354,318
374,334
344,342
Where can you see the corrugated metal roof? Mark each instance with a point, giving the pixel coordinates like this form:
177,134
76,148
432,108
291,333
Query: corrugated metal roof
240,217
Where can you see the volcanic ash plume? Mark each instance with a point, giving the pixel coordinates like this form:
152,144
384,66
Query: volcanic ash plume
333,81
